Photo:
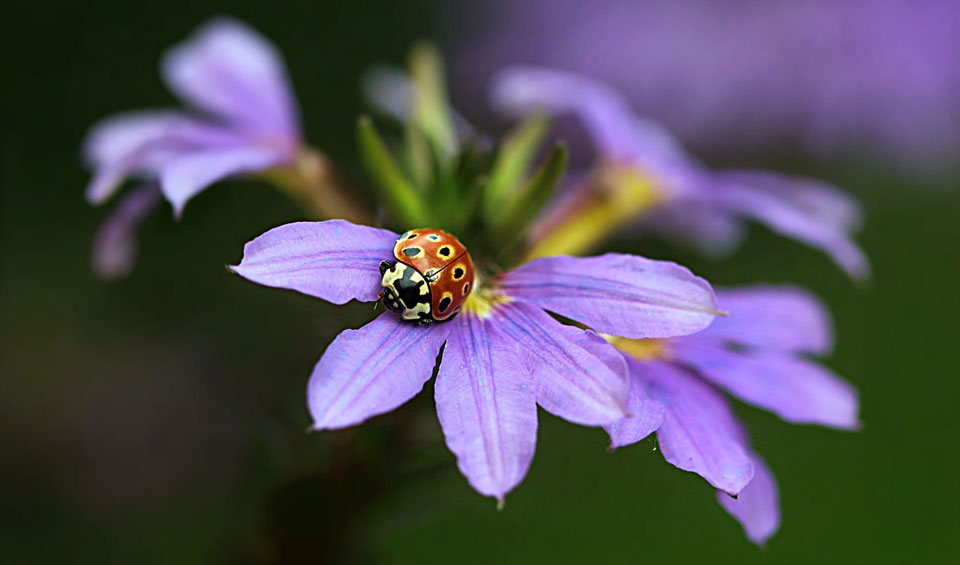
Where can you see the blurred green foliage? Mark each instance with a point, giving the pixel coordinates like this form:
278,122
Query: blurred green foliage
161,419
487,196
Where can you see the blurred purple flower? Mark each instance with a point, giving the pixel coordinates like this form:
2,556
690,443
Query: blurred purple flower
825,74
685,200
245,122
504,354
758,354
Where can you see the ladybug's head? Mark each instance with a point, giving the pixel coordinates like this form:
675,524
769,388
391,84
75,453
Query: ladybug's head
388,296
405,291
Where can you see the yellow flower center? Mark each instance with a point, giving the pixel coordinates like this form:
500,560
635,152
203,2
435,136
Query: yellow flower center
483,299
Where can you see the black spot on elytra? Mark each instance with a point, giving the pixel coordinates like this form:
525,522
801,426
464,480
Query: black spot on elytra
444,303
412,236
411,251
445,251
466,289
458,273
433,237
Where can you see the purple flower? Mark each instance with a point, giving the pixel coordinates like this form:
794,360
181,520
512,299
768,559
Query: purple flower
828,75
244,121
248,120
758,354
644,174
504,354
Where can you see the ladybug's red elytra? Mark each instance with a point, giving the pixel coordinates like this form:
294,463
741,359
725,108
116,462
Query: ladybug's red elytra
431,276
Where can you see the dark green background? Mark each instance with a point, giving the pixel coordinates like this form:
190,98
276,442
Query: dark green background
161,419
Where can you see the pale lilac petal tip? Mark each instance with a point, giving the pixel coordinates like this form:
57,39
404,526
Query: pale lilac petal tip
780,318
487,407
579,376
372,370
141,143
796,389
115,244
757,507
618,133
107,179
699,432
646,416
333,260
617,294
796,218
111,139
229,69
184,177
817,198
121,147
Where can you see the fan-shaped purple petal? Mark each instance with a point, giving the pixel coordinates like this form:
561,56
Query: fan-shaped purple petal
699,432
372,370
780,318
646,415
113,138
185,176
578,375
141,143
622,295
115,245
794,388
618,133
792,219
487,406
817,198
333,260
229,69
757,507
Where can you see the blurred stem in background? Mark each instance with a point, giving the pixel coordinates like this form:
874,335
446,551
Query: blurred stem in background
311,181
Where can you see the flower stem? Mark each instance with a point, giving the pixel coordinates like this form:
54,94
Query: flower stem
311,182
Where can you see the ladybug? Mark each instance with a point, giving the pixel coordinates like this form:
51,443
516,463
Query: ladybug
430,278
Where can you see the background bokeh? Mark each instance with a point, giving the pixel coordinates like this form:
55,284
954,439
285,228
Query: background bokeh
161,419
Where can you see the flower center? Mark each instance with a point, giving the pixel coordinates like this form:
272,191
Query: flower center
483,300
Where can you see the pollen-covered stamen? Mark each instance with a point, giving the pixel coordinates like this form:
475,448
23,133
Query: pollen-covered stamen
483,300
641,349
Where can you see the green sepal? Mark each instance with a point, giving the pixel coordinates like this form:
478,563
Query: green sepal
512,161
402,198
419,156
431,108
444,193
522,206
